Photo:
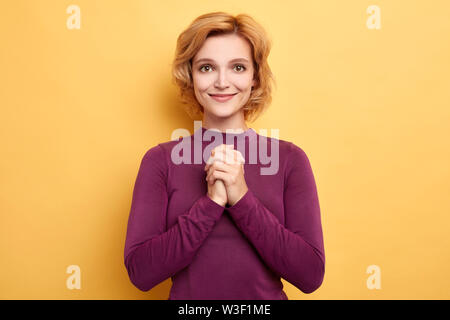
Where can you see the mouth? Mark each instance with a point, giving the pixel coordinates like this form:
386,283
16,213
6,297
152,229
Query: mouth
222,97
222,94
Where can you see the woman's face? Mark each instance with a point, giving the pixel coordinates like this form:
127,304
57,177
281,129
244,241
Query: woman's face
223,65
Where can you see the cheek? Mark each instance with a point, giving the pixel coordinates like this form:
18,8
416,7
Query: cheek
201,82
243,83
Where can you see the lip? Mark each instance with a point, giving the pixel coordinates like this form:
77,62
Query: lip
222,97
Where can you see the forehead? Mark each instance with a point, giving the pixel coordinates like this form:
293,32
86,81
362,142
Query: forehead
224,48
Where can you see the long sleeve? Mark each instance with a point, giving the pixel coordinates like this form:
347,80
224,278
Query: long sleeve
152,254
294,251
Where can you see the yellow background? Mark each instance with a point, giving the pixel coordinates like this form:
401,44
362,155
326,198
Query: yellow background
79,108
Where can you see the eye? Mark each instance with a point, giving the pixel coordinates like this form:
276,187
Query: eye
205,65
243,68
240,65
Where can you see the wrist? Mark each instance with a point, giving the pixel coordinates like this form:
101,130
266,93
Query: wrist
218,201
232,203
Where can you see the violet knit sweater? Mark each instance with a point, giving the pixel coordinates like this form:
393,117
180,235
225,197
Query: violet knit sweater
212,252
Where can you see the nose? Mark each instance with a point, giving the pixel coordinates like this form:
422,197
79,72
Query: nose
222,81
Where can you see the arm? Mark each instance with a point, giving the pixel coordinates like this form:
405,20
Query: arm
295,251
151,254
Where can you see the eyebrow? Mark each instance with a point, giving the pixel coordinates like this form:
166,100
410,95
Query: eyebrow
211,60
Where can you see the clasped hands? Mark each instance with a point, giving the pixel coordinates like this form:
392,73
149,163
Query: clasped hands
225,175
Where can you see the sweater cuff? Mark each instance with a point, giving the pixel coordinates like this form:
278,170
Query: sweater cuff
243,206
210,206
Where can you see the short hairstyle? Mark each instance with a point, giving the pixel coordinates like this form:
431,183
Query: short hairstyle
216,23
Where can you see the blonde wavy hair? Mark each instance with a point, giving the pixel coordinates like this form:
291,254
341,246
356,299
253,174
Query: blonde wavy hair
216,23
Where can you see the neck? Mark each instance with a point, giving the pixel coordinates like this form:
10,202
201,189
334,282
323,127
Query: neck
236,123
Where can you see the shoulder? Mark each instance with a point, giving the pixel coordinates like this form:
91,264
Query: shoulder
155,158
296,152
159,152
292,155
283,145
291,158
298,165
287,149
154,154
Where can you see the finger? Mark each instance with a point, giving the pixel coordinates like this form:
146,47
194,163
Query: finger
230,148
235,156
225,168
212,158
223,147
225,153
220,147
217,148
230,156
218,167
241,158
221,166
219,175
215,166
211,180
218,156
210,176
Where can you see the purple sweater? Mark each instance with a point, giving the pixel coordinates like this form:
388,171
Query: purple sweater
213,252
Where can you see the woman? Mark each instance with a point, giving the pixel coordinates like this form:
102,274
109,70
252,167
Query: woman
221,228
